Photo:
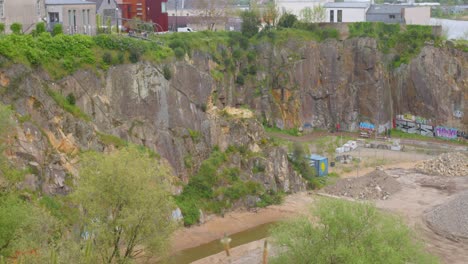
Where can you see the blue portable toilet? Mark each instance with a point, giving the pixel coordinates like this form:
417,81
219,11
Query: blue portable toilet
320,164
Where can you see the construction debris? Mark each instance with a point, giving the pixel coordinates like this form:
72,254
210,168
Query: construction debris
374,185
448,165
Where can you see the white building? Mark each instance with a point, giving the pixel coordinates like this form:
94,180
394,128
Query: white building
296,6
346,12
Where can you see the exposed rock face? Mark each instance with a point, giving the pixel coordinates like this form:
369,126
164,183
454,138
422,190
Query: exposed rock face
296,84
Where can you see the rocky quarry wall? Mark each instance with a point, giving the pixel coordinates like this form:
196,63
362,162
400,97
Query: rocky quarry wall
296,84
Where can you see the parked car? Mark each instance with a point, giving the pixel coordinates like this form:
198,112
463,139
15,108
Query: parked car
185,29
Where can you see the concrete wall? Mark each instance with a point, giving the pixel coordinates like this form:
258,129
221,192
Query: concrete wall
349,15
295,6
420,15
76,19
26,12
385,18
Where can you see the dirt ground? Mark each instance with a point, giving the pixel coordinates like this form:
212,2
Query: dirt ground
419,193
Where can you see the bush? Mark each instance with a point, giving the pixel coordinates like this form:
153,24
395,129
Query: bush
120,57
57,30
40,28
71,99
2,28
179,52
250,23
167,72
16,28
240,79
348,232
287,20
134,56
107,58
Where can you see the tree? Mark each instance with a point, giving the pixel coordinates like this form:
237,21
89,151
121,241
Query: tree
287,20
313,15
16,28
270,13
57,30
212,12
250,23
126,203
40,28
348,232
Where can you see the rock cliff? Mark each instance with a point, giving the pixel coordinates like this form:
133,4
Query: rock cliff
183,118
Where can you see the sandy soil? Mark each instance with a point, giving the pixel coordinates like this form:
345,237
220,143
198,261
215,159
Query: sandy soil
238,221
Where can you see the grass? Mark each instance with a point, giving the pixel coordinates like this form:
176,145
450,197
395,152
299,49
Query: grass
108,139
292,132
395,133
65,104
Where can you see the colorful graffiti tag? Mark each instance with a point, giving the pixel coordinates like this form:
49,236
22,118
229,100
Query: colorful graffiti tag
366,126
445,132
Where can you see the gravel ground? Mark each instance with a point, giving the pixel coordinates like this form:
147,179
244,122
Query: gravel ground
451,218
448,164
374,185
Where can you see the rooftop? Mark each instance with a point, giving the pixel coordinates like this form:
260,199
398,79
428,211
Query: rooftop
347,5
387,9
68,2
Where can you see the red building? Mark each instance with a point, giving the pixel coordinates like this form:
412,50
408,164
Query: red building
146,10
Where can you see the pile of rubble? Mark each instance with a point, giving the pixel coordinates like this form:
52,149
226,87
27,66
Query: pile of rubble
448,164
451,218
372,186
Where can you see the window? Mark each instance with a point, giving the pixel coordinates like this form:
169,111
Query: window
391,16
38,7
163,7
87,17
54,17
69,18
83,12
340,15
332,16
2,13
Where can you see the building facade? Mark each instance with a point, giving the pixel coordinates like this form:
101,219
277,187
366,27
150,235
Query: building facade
417,15
346,12
108,10
26,12
296,6
402,14
76,16
153,11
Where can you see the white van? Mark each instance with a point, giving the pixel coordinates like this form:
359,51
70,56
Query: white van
185,29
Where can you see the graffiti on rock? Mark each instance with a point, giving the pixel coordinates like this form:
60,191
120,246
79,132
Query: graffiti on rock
445,132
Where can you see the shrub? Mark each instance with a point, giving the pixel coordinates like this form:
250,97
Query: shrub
287,20
71,99
179,52
16,28
40,28
134,56
240,80
250,23
57,30
2,28
167,72
120,57
348,232
107,58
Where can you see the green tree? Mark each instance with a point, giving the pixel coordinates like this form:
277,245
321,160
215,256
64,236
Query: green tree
16,28
40,28
287,20
250,23
126,203
313,15
57,30
270,13
348,232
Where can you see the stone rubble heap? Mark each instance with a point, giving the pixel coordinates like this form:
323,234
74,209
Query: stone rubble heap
453,164
372,186
451,218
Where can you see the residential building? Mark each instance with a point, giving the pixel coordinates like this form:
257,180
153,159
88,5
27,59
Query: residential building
108,10
76,16
409,14
26,12
296,6
153,11
346,12
417,15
